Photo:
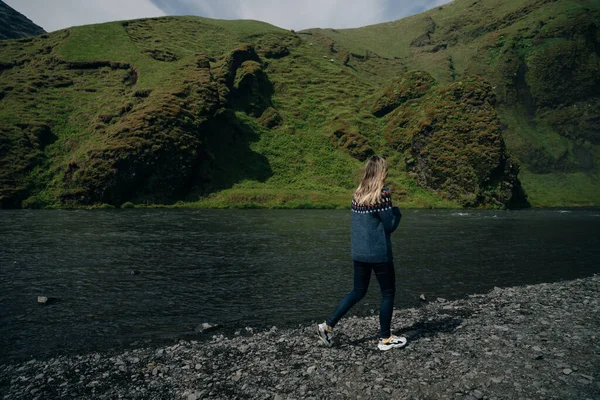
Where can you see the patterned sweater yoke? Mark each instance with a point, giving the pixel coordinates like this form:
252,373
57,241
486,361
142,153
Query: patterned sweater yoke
383,204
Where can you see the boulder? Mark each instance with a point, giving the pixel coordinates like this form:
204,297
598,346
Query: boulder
270,118
252,90
43,300
206,327
456,147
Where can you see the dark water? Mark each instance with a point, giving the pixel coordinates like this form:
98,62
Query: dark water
253,268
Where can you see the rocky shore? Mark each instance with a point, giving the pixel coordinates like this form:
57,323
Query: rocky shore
530,342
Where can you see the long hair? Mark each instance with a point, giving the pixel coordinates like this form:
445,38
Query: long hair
372,182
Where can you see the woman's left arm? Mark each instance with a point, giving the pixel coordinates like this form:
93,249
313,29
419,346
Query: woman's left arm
390,216
390,219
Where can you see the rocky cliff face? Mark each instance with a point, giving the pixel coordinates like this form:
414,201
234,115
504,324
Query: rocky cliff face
159,142
451,139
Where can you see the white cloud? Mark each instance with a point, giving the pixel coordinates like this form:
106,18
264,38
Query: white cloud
302,14
288,14
314,13
222,10
58,14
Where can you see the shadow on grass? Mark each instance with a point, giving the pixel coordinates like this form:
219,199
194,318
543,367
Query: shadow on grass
230,156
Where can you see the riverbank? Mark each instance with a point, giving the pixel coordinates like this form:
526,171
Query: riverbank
537,341
275,198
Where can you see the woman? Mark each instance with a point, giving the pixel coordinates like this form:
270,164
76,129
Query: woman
373,221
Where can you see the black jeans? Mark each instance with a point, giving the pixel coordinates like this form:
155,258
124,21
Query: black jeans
386,277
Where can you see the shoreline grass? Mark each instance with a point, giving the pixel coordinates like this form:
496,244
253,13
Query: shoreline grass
312,200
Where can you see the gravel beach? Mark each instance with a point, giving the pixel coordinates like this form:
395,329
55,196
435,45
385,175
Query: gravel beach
529,342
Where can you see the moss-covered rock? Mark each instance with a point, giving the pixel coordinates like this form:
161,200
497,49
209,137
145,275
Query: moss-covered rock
245,84
155,148
454,145
252,89
229,64
152,145
411,85
270,118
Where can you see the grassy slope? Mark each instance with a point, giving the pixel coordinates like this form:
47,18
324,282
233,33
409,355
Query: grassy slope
316,91
312,94
476,37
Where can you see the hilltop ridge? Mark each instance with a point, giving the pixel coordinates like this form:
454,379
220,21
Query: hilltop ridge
15,25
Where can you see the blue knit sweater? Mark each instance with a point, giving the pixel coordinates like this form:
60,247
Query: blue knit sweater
371,229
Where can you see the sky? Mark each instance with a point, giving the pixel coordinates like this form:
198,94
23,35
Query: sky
288,14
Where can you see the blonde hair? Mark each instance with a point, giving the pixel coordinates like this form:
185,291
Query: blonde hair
372,182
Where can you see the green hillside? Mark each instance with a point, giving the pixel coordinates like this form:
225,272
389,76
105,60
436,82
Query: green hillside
15,25
542,59
470,110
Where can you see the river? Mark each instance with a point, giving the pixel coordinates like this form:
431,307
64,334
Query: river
133,277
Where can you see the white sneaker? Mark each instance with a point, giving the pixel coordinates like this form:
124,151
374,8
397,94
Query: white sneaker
325,334
393,342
